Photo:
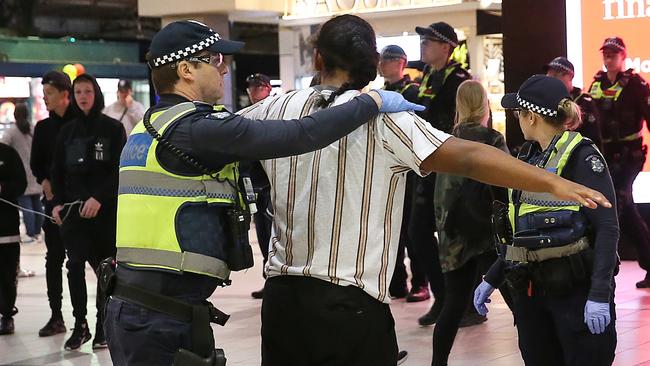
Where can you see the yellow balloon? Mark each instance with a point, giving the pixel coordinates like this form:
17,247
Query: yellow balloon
71,71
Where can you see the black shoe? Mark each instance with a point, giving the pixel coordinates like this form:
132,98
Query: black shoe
99,341
258,294
398,294
472,318
80,335
53,326
418,294
645,283
431,317
401,357
6,325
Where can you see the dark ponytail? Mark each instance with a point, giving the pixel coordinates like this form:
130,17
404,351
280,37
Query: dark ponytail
348,43
21,114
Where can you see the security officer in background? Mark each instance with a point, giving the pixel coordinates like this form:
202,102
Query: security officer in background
392,61
562,69
442,77
623,101
183,212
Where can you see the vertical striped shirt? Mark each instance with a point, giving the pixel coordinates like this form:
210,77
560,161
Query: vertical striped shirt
338,210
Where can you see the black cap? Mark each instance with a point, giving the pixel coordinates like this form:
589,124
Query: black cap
439,31
393,52
560,64
258,79
58,80
181,39
124,85
614,43
540,93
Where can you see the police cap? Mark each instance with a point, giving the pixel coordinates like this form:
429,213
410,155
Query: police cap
181,39
614,44
258,80
58,80
439,31
393,52
560,64
540,94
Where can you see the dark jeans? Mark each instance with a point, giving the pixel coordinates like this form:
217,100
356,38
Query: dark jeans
138,336
53,263
33,222
419,277
9,257
87,240
552,331
307,321
422,227
460,285
263,221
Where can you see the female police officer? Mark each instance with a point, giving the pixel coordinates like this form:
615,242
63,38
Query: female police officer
560,262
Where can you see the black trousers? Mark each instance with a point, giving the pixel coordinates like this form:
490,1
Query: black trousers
54,258
419,277
9,257
552,331
625,161
263,221
307,321
422,227
87,240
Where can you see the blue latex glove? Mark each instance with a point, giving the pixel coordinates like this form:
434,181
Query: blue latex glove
482,297
597,316
395,102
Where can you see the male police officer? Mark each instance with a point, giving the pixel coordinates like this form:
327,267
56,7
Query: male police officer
623,101
562,69
437,93
392,62
183,219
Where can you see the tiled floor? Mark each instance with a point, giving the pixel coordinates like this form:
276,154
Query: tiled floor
493,343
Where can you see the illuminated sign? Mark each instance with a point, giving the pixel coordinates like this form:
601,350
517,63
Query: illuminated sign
309,8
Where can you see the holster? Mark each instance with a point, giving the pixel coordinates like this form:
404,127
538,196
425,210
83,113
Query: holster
184,357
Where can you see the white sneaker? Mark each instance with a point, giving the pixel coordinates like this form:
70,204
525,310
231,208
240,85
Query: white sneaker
26,273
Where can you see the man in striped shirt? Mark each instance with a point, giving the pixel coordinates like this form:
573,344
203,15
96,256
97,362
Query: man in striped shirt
338,211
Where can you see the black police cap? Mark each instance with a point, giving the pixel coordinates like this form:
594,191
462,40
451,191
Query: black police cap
540,94
258,79
439,31
393,52
58,80
181,39
560,64
614,43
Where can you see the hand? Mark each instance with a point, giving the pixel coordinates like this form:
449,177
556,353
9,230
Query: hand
90,208
47,190
56,214
395,102
597,316
482,297
570,191
128,101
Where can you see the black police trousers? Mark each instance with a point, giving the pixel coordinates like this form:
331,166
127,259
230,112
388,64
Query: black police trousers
54,258
552,330
9,258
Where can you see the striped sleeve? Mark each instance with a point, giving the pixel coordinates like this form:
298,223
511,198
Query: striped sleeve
408,138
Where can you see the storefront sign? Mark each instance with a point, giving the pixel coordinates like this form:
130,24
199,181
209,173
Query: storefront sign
320,8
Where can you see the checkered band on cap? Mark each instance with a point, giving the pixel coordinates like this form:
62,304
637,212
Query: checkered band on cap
442,37
535,108
557,65
612,42
187,51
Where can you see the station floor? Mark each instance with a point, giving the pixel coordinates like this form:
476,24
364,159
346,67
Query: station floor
493,343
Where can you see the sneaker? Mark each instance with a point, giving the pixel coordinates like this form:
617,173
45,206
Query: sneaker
401,357
6,325
99,341
418,294
53,326
80,335
398,294
472,318
26,240
645,283
431,316
22,273
258,294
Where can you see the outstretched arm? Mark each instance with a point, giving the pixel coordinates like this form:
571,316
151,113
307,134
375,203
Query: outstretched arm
492,166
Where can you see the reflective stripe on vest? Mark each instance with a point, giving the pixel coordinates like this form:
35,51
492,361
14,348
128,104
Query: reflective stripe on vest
613,92
538,202
423,86
150,197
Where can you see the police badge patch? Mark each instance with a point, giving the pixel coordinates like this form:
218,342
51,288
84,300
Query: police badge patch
596,163
221,115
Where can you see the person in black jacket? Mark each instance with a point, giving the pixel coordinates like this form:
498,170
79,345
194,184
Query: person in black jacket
12,185
56,93
84,180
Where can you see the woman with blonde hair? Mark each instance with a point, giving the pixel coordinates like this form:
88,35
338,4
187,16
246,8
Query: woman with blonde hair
462,207
558,258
